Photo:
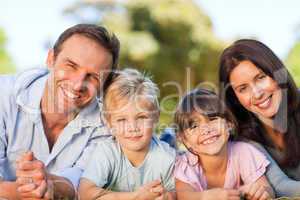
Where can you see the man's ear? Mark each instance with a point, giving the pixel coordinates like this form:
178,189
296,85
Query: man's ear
50,59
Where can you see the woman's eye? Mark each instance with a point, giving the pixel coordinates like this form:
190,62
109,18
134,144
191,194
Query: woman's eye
242,89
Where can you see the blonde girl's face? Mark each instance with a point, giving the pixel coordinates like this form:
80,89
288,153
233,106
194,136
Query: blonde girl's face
207,136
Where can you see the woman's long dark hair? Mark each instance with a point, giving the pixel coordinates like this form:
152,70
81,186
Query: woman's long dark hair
287,119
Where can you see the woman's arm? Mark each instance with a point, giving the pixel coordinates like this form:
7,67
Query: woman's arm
281,183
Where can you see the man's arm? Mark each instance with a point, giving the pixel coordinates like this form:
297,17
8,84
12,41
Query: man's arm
8,190
34,181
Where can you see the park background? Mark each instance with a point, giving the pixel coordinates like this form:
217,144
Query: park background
177,42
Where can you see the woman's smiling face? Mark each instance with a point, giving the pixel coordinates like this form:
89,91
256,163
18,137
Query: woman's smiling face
256,91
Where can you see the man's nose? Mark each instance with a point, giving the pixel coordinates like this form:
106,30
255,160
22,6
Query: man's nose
80,82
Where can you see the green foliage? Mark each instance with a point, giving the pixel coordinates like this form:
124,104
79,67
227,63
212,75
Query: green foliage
6,65
293,63
171,39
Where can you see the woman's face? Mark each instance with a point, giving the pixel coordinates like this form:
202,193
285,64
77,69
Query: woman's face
255,90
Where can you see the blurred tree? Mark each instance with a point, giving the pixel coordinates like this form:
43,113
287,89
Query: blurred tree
171,39
293,62
6,65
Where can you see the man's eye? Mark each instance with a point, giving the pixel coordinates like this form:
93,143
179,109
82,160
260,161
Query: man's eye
94,77
71,66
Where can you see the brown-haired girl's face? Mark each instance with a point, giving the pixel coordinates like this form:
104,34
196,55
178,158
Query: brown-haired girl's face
256,91
206,135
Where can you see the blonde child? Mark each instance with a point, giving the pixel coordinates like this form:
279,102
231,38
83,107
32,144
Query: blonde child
133,164
214,166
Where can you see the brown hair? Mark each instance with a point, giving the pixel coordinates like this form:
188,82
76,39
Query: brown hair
287,119
204,102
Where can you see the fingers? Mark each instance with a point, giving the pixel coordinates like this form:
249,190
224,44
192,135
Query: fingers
24,180
27,156
265,196
153,184
30,176
27,188
30,165
258,193
233,194
157,189
234,198
30,171
50,191
35,192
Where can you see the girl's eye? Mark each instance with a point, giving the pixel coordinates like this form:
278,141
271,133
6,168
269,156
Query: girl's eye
193,126
142,117
213,119
261,76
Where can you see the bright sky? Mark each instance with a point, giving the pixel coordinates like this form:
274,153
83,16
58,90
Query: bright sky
30,24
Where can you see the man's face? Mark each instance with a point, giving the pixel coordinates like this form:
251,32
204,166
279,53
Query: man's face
77,73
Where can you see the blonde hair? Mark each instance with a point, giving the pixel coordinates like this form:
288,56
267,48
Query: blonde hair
130,84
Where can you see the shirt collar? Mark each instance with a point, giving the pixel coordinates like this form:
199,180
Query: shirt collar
29,95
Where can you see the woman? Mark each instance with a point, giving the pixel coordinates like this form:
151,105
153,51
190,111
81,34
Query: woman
264,97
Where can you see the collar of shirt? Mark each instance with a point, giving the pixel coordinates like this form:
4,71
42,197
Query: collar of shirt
29,90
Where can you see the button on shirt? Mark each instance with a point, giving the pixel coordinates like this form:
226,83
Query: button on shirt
21,129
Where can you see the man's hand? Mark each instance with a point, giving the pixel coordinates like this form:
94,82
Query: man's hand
32,178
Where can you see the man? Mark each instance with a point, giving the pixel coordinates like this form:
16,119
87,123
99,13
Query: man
50,119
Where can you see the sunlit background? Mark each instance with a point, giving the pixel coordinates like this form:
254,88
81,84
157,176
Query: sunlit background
174,40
